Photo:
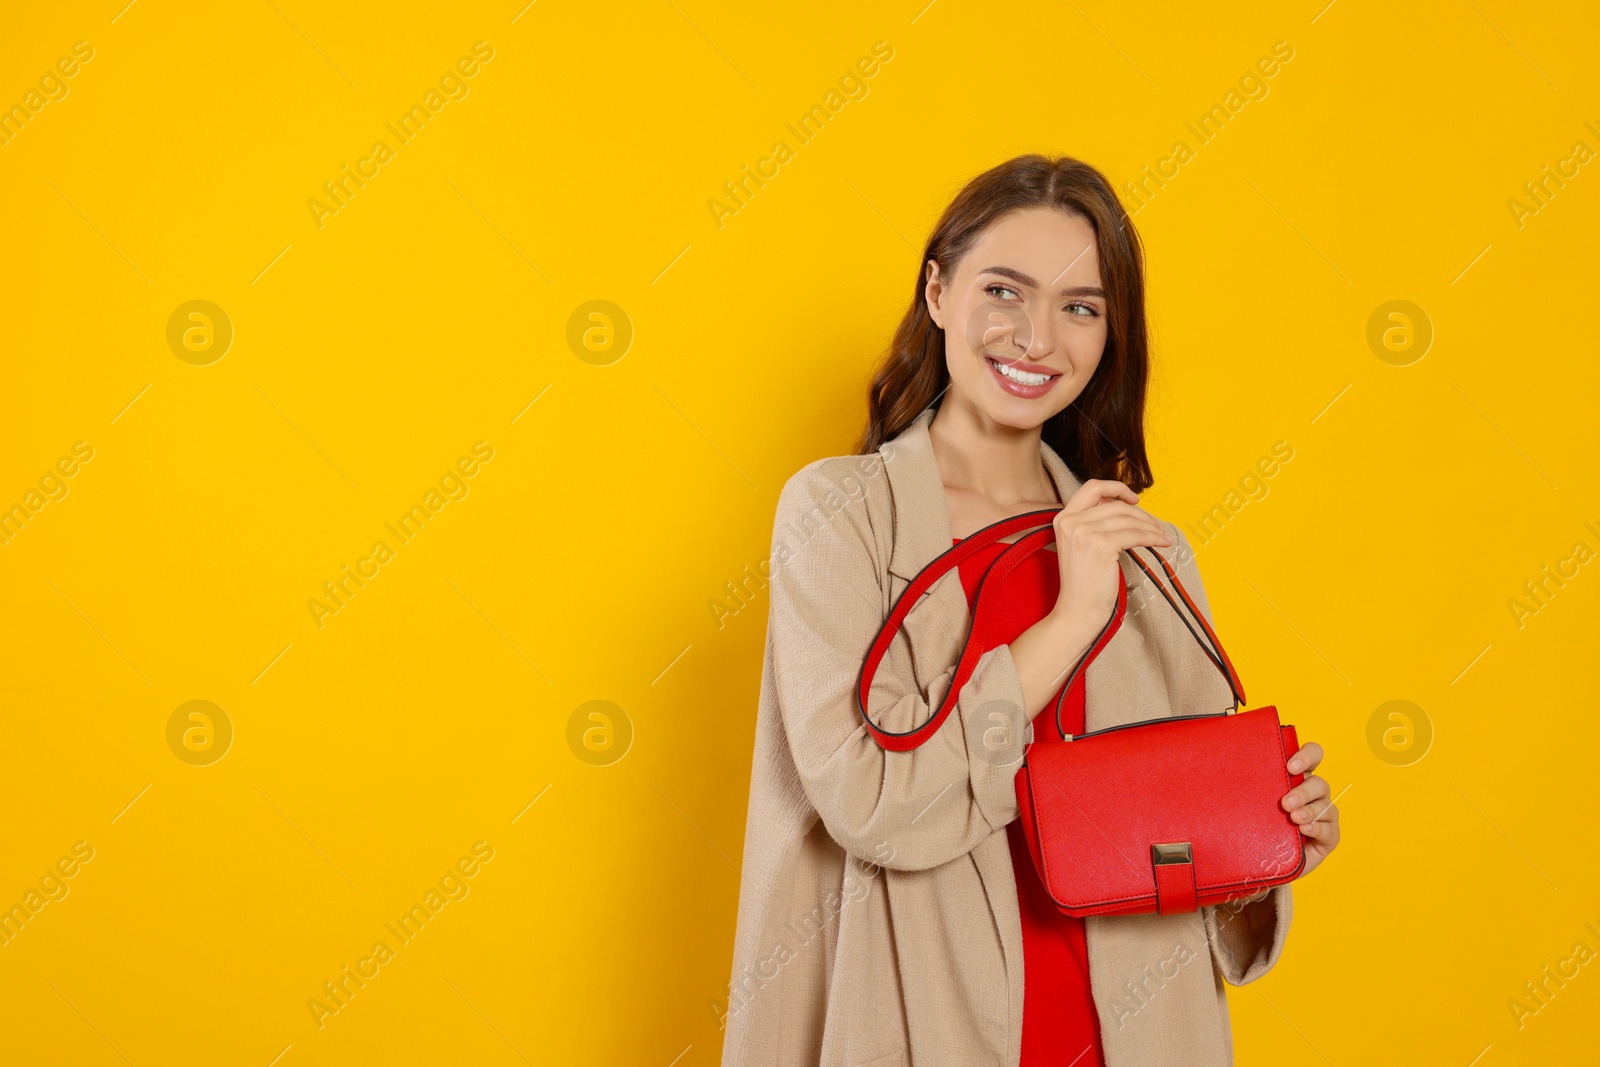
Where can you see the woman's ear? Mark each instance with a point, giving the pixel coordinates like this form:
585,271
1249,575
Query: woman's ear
933,293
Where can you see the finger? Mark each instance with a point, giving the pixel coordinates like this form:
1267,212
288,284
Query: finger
1305,758
1095,490
1323,831
1319,811
1113,536
1127,504
1303,795
1113,507
1114,515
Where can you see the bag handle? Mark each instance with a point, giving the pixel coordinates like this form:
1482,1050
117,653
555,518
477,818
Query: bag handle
1219,658
972,645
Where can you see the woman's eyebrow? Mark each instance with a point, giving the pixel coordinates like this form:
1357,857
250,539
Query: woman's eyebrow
1014,275
1018,276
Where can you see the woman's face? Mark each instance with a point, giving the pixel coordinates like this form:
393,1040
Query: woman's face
1024,316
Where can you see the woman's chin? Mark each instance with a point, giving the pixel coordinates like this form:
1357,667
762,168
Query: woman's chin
1018,415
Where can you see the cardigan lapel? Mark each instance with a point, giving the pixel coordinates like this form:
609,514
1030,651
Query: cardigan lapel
922,532
1121,686
921,512
1151,668
938,623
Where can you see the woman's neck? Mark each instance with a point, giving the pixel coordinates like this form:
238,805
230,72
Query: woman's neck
979,456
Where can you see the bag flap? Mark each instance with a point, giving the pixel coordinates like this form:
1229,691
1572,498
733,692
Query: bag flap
1213,782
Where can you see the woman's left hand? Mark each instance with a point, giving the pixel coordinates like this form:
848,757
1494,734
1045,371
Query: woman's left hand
1308,804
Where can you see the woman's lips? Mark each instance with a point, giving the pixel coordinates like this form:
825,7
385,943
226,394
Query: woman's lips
1016,388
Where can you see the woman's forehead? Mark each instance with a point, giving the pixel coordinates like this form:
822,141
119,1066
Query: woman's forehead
1039,248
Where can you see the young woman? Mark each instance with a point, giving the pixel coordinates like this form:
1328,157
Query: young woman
890,915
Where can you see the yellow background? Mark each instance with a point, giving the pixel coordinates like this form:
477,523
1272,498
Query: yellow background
428,313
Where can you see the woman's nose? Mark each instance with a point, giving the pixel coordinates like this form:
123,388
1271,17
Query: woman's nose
1040,341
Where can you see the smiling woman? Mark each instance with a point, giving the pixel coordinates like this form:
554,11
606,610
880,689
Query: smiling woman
1013,289
1013,388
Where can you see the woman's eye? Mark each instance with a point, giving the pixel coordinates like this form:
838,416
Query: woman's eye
1082,308
997,291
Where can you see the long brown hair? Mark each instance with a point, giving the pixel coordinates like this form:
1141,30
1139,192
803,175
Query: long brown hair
1101,433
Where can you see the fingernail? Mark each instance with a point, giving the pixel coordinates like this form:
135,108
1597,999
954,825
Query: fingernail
1294,765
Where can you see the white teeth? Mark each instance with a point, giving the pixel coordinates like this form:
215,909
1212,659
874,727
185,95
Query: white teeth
1020,376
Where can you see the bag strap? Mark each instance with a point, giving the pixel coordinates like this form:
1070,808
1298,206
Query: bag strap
1219,658
972,647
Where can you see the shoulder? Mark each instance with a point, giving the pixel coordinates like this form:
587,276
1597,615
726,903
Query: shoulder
1181,552
834,482
1182,557
835,504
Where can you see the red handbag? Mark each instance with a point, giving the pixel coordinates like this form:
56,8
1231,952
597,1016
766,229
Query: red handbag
1166,815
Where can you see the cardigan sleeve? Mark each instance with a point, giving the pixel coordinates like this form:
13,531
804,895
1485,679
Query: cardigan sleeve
1241,952
903,810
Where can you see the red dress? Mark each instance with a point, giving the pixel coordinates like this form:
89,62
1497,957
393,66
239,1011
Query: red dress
1060,1027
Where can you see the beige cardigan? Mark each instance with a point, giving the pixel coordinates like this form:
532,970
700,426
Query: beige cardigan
878,922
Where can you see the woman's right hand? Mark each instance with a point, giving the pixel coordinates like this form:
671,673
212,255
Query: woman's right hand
1102,518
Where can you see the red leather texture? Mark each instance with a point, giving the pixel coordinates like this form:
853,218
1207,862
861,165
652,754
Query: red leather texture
1214,782
1291,745
1092,808
973,648
1175,889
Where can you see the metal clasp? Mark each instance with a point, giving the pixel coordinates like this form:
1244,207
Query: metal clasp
1172,852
